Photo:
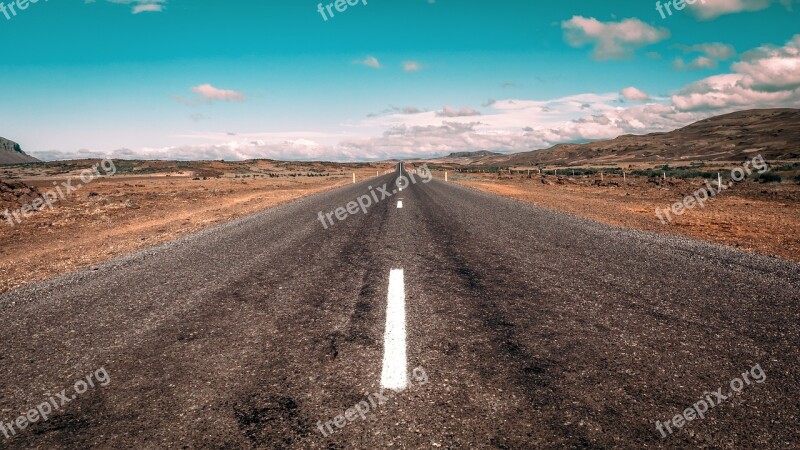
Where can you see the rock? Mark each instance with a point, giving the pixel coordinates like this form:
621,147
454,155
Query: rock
15,194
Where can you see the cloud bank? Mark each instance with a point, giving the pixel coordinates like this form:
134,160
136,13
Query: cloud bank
765,77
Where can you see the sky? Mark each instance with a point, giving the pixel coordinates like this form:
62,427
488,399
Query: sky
240,79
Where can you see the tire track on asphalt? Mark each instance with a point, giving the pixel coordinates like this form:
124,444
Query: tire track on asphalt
532,374
538,378
349,342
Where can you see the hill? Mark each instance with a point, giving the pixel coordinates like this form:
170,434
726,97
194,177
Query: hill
11,153
772,133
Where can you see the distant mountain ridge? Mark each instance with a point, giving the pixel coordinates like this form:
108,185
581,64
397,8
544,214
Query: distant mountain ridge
11,153
472,154
772,133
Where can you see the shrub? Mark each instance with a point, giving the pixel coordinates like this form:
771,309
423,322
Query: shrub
769,177
674,173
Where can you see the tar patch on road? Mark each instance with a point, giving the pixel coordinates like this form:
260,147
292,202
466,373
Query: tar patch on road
271,421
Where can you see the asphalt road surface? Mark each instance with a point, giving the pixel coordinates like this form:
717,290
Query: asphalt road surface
461,320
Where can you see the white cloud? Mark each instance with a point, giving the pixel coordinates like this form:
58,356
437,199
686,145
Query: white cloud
397,110
711,9
209,93
711,54
516,125
234,150
465,111
701,62
611,40
766,76
520,126
723,91
147,8
631,93
370,61
716,50
140,6
206,93
412,66
216,146
772,68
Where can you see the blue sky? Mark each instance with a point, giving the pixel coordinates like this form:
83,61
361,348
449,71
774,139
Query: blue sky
197,79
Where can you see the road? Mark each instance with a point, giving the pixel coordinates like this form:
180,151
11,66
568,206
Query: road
509,326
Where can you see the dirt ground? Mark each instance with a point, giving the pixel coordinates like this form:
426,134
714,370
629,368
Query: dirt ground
757,217
116,215
145,204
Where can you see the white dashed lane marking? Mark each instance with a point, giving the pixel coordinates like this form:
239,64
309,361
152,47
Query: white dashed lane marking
394,374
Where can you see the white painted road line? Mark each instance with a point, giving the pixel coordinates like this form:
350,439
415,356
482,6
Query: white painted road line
395,373
399,204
